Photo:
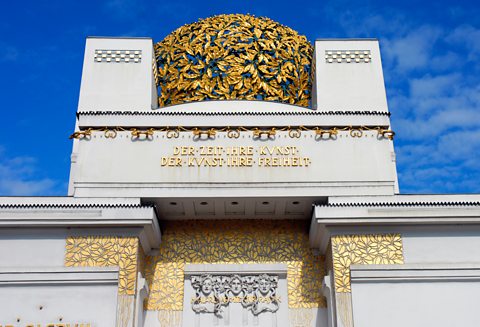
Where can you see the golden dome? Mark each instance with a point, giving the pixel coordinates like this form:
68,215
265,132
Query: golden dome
234,57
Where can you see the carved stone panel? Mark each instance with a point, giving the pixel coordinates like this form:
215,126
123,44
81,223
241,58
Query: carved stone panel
214,294
236,296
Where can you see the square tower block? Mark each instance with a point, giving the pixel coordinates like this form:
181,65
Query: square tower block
118,75
348,76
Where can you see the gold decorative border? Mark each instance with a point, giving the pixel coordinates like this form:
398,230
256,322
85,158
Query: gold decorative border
234,242
234,132
363,249
106,251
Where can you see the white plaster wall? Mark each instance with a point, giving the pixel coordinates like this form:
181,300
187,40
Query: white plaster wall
349,86
117,86
416,304
81,300
448,299
20,248
455,244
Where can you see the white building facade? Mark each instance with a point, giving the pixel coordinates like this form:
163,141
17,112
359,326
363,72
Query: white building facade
238,211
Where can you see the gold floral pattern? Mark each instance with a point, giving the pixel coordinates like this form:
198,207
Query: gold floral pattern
234,242
105,251
363,249
234,57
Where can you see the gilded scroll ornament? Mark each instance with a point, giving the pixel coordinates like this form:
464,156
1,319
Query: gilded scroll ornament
234,57
106,251
382,132
234,242
363,249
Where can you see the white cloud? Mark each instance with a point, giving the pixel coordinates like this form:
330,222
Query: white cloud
411,51
434,95
18,177
467,36
435,105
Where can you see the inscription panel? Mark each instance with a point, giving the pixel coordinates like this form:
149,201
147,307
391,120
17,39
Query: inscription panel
349,158
236,156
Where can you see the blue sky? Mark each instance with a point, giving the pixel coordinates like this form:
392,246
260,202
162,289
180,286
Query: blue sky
431,61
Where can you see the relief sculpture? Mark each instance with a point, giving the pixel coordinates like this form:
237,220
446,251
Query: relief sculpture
255,294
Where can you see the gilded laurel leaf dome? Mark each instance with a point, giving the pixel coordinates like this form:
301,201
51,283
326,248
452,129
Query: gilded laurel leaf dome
234,57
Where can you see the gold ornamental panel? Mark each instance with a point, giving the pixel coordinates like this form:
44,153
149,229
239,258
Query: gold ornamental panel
106,251
363,249
234,242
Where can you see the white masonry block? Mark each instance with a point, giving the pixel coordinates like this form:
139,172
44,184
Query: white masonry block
348,76
118,75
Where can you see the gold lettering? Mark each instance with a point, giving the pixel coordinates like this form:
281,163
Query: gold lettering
235,156
171,162
307,161
183,150
211,150
164,163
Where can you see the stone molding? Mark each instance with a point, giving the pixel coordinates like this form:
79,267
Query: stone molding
278,269
415,273
50,276
142,219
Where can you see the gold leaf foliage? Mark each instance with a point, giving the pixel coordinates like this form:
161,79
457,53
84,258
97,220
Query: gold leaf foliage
234,57
363,249
234,242
106,251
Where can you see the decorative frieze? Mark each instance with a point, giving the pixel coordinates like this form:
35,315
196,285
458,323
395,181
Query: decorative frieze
118,56
348,56
256,293
295,132
233,242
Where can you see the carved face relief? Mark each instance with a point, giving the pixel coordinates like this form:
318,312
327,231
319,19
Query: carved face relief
207,286
236,285
249,284
264,285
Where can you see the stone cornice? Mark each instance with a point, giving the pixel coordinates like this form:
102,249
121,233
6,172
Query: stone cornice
343,214
142,219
